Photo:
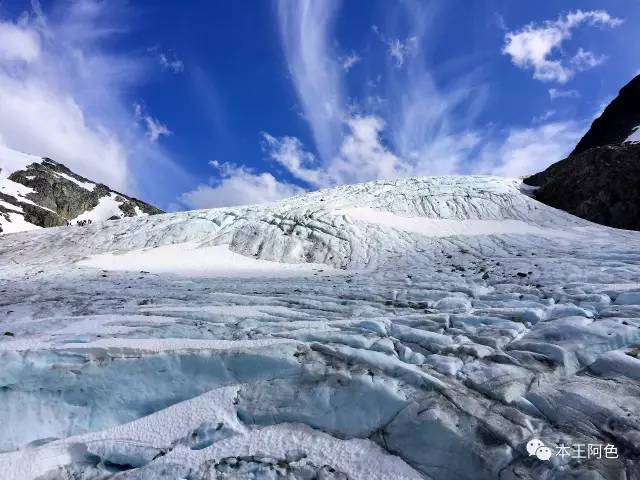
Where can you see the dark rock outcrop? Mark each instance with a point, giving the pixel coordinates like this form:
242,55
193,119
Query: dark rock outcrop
600,185
33,214
600,180
67,198
617,122
59,195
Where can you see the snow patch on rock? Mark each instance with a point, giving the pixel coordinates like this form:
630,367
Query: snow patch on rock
635,135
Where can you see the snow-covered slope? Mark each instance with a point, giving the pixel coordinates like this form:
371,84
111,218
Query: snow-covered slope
420,328
38,192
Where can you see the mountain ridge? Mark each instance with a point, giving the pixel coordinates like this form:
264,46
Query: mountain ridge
598,180
617,123
40,192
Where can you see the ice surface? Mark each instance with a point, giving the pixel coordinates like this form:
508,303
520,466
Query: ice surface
191,259
419,328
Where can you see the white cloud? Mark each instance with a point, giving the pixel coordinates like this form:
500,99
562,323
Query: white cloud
429,126
348,61
500,22
68,99
533,46
543,117
236,185
171,62
404,124
584,60
155,129
361,156
555,93
519,151
17,43
419,128
46,122
291,154
399,50
304,29
525,151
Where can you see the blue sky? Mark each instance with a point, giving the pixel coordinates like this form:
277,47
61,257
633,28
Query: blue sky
211,103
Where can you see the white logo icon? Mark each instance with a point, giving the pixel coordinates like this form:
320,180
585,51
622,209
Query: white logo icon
536,447
543,453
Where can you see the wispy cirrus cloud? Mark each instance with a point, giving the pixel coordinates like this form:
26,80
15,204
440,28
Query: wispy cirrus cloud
305,30
411,128
400,49
349,61
537,46
544,116
155,128
399,121
65,94
316,72
169,61
166,59
555,93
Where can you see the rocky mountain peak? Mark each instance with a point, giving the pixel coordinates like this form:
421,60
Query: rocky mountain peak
41,192
599,180
619,121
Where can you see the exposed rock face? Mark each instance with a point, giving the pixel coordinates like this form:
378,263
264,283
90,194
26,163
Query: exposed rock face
65,198
31,213
599,180
600,185
618,121
46,193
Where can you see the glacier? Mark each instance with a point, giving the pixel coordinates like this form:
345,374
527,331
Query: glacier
421,328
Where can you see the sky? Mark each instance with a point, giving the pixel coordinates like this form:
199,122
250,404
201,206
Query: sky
202,104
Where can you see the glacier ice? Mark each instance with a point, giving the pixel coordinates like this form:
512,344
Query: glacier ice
417,328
